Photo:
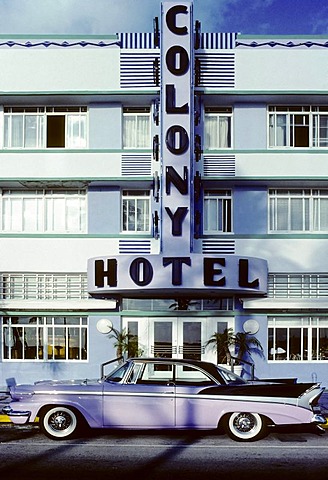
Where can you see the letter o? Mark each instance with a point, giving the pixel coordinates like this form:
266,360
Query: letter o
177,68
141,267
177,147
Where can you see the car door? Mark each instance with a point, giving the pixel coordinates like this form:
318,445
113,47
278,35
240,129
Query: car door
145,399
194,410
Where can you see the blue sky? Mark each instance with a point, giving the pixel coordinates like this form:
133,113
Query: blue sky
97,17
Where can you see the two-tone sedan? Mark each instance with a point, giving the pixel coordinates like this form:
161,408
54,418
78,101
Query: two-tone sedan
159,393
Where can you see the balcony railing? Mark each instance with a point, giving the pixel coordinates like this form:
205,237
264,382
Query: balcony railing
309,285
43,286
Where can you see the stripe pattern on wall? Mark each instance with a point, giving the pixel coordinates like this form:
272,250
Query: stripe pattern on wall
219,165
135,246
218,246
215,70
137,69
136,165
208,40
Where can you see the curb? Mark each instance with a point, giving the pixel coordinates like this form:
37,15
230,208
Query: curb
5,419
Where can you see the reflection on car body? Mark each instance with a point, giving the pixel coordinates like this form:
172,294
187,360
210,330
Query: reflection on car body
155,393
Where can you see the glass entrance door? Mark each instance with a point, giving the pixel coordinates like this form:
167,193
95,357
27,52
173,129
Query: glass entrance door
190,344
177,338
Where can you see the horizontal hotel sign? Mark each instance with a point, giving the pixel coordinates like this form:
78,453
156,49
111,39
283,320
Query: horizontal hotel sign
171,276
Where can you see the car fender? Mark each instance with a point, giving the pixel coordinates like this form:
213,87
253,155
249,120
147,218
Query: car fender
278,414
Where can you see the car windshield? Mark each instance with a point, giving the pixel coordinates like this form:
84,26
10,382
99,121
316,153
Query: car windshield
230,376
118,374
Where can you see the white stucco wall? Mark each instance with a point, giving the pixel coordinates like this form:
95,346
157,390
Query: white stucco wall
281,69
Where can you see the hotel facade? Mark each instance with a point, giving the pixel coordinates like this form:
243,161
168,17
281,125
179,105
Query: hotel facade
172,185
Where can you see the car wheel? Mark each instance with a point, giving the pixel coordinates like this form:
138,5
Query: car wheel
245,427
59,423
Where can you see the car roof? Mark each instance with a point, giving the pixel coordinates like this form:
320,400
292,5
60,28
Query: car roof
210,367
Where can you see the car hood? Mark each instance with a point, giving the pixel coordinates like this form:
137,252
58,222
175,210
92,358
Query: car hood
20,392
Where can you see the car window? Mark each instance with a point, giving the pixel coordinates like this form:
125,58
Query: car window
118,374
135,373
156,373
230,376
189,375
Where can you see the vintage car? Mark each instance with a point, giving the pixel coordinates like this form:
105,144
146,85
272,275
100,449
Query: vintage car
162,393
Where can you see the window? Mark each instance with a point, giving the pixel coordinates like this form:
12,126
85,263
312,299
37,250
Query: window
218,128
304,210
298,338
45,338
217,211
136,127
135,211
301,285
43,211
296,126
45,127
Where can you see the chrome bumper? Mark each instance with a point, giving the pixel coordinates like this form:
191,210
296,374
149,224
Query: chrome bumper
318,419
20,416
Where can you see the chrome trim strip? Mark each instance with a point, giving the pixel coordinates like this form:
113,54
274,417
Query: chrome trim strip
230,398
15,413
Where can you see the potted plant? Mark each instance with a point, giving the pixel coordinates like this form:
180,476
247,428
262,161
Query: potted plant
245,345
221,342
183,304
125,342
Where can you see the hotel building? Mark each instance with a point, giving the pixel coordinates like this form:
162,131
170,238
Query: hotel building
172,185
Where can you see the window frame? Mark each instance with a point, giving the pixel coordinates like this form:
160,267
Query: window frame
42,113
137,113
312,205
293,126
44,348
225,198
43,210
219,113
133,196
313,348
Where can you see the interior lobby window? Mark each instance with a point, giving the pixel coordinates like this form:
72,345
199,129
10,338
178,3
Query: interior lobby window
218,131
303,210
43,211
44,338
136,211
45,127
217,211
297,338
136,127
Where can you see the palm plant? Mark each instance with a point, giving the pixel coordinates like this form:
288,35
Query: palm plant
183,304
221,343
246,345
125,342
121,338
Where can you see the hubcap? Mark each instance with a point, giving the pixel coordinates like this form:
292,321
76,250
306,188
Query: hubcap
244,423
60,421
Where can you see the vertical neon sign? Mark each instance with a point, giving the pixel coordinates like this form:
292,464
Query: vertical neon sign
177,127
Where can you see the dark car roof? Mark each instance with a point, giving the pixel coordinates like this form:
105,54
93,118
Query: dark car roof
209,367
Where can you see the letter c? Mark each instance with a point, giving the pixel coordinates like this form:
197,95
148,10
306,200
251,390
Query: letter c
171,19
